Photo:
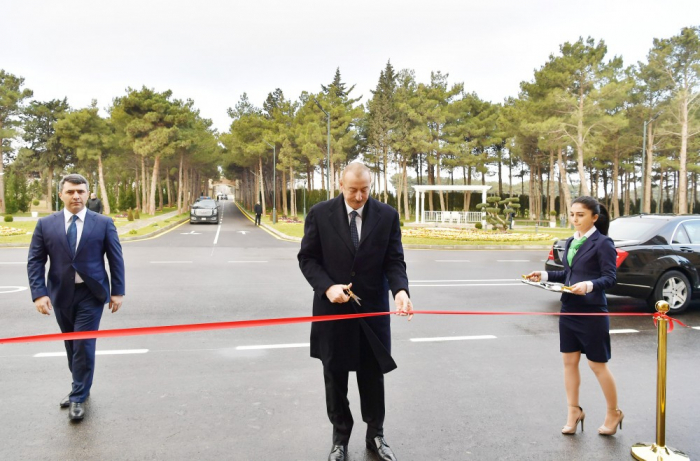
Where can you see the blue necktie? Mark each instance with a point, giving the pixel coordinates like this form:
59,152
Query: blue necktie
72,234
353,229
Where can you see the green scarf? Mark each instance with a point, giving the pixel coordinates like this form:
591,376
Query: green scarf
573,248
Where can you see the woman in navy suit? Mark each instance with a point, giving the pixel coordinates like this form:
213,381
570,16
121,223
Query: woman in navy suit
589,269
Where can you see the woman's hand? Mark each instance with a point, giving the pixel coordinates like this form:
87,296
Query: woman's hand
534,276
579,288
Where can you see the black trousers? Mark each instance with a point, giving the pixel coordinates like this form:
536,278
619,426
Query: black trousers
257,219
370,382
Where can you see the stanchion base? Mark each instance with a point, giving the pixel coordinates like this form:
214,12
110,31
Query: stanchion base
654,452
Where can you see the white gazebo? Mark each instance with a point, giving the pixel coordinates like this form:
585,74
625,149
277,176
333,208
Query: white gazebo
448,217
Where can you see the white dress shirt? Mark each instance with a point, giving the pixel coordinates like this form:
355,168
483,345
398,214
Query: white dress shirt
358,219
67,216
577,235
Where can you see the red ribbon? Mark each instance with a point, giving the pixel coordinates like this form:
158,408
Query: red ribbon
285,321
661,315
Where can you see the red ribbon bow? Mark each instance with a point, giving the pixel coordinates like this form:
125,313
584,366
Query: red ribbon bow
661,315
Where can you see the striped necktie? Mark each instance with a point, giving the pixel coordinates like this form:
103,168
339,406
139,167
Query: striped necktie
72,234
353,229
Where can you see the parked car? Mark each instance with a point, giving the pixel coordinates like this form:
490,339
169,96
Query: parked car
658,257
205,210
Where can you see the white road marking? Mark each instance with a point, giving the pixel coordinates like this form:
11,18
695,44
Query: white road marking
452,261
218,230
111,352
171,262
513,260
11,289
190,233
623,330
247,261
450,338
242,232
695,328
13,262
470,285
271,346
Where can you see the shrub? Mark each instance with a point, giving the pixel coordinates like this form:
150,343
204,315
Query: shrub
9,218
478,226
133,232
136,214
130,215
35,202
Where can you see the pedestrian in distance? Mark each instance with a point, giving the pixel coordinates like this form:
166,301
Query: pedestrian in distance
589,269
76,241
95,204
258,213
354,242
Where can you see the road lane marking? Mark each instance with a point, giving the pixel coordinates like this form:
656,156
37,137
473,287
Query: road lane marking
623,330
452,261
11,289
171,262
470,285
512,260
450,338
110,352
190,233
247,261
271,346
13,262
218,230
695,328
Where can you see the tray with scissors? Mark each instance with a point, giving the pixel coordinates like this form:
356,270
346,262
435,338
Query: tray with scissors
549,286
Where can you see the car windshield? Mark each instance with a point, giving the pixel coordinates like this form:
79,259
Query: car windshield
205,204
632,228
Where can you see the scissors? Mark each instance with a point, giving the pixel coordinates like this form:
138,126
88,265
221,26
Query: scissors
353,296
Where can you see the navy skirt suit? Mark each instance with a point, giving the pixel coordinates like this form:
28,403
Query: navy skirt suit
595,262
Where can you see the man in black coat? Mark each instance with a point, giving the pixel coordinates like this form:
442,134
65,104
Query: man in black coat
258,213
94,204
354,241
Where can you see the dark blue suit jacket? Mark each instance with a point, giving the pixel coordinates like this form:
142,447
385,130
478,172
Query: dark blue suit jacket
328,257
99,238
594,261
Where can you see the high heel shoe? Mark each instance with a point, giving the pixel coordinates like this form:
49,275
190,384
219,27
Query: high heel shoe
602,430
568,430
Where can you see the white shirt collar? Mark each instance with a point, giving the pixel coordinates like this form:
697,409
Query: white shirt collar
81,214
350,209
588,234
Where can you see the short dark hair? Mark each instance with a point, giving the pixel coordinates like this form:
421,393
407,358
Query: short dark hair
73,178
603,222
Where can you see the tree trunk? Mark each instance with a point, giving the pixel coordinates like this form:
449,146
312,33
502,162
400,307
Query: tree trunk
159,184
180,189
552,192
49,188
562,174
683,157
103,189
579,147
2,177
649,161
385,156
144,196
615,172
430,182
262,187
154,184
406,206
439,181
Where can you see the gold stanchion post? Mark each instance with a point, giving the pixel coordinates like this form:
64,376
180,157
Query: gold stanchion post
659,451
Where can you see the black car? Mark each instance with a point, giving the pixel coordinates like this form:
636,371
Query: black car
205,210
658,257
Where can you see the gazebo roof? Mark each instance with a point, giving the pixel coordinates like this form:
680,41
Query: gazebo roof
448,187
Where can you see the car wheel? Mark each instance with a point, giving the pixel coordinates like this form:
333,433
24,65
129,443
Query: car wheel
674,288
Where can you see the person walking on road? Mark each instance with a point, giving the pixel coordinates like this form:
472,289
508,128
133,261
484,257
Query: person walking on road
95,204
258,213
354,242
76,241
589,269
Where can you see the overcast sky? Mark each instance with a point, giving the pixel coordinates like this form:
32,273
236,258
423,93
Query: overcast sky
213,51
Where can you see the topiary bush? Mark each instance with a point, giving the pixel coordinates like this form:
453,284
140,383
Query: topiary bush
9,218
136,214
35,202
497,217
478,226
130,215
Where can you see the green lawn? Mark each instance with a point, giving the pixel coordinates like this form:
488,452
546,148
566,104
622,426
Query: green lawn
155,226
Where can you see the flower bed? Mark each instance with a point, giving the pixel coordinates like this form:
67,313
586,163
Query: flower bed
472,235
7,231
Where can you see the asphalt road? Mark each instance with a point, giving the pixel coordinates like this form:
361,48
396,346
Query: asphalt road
494,394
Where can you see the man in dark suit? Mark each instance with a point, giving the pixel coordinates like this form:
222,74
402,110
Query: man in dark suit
76,241
258,213
354,241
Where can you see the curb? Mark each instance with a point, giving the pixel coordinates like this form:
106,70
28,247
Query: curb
278,234
155,233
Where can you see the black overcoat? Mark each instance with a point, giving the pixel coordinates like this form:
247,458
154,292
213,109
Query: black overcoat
327,257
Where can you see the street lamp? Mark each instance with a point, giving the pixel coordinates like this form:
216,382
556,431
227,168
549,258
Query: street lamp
274,182
644,157
328,150
304,200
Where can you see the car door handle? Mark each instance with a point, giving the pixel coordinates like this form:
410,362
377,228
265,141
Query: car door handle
686,250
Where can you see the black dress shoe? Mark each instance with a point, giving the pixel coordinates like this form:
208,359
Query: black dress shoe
76,412
380,448
65,403
338,453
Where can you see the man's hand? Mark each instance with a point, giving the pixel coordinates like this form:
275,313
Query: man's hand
404,306
43,305
115,302
336,293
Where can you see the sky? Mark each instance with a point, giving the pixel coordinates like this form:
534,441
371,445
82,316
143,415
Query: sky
212,51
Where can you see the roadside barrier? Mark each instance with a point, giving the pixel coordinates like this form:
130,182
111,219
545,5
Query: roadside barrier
659,451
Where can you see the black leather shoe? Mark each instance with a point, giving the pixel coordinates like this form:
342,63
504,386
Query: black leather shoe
380,448
338,453
65,403
76,412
